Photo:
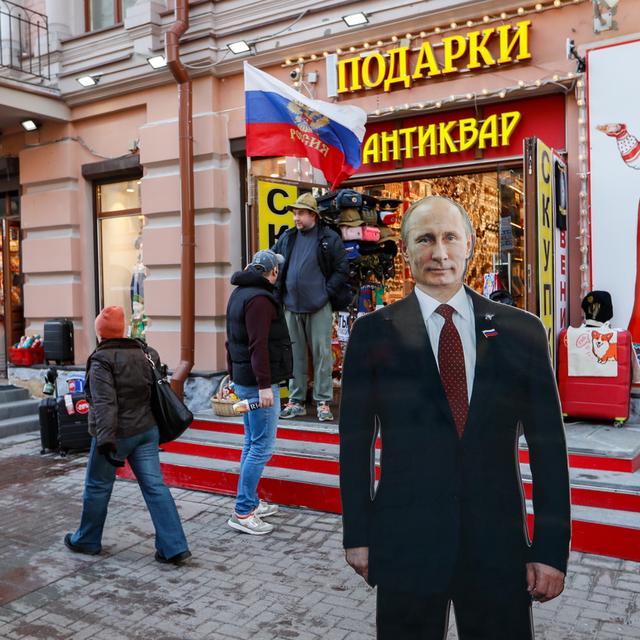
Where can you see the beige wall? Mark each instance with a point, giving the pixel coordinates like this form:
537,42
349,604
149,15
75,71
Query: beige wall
58,223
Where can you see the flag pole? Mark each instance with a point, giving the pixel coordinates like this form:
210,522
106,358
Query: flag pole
247,211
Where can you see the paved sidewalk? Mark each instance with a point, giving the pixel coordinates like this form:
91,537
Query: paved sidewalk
291,584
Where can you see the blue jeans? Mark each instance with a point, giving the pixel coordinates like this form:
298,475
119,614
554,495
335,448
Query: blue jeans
260,427
142,453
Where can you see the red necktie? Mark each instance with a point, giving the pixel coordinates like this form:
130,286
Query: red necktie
452,369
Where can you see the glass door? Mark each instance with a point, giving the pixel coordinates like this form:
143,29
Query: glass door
510,263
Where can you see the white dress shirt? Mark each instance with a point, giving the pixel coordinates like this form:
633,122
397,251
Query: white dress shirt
463,319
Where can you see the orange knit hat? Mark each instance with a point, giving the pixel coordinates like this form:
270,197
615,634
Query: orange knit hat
110,323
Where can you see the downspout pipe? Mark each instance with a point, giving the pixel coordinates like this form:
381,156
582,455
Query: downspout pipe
185,132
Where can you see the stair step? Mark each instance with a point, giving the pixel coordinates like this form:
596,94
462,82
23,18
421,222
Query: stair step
602,531
309,489
598,446
17,425
233,466
289,431
282,445
19,408
11,393
615,490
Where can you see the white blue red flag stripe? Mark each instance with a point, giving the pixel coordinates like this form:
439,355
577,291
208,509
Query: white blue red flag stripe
283,122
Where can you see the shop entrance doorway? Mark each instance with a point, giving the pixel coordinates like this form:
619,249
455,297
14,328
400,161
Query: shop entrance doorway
11,299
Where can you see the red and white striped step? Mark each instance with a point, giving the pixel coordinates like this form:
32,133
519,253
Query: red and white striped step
605,475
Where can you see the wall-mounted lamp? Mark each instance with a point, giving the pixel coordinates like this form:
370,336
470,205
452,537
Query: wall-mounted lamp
241,46
89,81
355,19
157,62
30,125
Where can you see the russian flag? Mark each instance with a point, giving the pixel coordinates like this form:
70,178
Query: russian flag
283,122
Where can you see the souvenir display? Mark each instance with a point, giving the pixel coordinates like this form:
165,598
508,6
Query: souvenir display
370,244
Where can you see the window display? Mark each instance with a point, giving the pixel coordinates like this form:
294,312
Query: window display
122,269
495,203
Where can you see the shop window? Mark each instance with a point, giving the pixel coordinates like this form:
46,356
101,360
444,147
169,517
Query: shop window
100,14
495,203
299,169
121,266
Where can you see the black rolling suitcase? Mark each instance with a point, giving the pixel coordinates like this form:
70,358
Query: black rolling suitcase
48,418
73,427
58,340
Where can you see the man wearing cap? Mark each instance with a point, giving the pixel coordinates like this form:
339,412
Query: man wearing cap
258,359
450,380
313,283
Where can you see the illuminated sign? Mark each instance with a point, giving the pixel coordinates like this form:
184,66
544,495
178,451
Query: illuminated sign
452,136
545,223
402,66
273,216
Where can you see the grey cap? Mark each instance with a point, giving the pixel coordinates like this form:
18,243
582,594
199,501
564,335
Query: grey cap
265,260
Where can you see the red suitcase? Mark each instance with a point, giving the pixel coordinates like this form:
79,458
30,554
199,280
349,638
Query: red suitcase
596,397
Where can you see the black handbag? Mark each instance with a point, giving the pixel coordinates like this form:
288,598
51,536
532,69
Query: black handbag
172,415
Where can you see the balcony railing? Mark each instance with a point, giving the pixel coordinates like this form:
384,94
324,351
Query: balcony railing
24,40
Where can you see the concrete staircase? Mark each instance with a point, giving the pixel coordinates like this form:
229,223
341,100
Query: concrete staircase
604,465
18,411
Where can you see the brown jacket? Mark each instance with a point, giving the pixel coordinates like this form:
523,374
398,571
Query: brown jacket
118,387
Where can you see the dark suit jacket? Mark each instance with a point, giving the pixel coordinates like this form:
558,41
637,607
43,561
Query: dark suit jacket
439,493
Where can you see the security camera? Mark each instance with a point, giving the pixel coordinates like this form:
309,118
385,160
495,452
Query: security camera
295,74
570,48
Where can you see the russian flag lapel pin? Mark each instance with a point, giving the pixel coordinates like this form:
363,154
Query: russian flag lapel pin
489,333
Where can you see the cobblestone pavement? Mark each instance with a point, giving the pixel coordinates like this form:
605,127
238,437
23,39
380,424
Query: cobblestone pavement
292,584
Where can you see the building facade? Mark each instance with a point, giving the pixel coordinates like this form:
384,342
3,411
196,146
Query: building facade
453,91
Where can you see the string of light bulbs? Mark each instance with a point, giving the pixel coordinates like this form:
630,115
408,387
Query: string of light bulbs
583,175
538,7
566,81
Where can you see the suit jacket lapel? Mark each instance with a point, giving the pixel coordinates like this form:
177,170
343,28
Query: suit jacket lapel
484,374
410,326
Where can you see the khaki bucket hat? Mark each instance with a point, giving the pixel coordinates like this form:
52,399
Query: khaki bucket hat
350,218
305,201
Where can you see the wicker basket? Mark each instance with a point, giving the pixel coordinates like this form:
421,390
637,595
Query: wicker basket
222,407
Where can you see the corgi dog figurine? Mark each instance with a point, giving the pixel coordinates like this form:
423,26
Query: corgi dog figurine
602,348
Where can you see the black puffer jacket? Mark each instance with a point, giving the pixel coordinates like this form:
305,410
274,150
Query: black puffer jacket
118,387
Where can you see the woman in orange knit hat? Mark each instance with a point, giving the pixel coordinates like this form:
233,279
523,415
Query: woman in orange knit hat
118,388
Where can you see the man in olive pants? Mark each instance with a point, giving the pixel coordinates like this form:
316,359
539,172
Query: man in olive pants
312,283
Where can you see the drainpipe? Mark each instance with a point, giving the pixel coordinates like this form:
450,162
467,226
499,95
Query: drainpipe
185,132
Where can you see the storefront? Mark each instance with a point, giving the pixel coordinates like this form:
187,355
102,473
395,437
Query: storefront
476,156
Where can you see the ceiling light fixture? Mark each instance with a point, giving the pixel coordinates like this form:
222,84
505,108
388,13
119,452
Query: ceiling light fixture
241,46
355,19
157,62
30,125
88,81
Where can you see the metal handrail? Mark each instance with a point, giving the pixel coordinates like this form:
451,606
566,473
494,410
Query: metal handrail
24,40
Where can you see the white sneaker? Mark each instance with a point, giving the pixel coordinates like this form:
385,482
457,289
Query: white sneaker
250,524
264,509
